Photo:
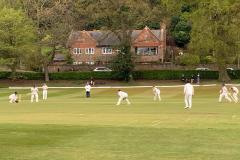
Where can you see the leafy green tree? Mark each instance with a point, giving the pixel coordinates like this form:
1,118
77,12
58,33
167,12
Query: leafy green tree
17,38
215,24
53,22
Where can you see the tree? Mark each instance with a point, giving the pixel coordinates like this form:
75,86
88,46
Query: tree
180,26
214,31
53,21
17,38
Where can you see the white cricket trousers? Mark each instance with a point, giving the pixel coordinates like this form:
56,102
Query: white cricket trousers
34,96
44,94
224,96
121,99
188,101
235,97
157,96
12,100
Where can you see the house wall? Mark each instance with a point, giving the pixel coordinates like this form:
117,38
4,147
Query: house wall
97,57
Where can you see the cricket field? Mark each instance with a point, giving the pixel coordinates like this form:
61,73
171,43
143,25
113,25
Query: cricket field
69,126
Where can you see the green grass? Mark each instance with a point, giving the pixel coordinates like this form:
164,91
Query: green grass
70,127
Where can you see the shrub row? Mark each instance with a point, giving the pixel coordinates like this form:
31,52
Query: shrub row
22,75
174,75
149,75
83,75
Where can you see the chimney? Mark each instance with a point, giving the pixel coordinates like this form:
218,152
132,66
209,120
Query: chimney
163,39
163,31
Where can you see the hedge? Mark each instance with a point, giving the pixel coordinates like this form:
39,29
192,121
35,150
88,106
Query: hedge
174,75
148,75
22,75
84,75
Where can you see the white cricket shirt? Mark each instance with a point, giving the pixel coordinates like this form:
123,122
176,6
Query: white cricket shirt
88,88
188,89
34,90
122,94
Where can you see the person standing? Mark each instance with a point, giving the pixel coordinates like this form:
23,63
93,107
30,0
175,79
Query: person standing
224,94
34,93
235,92
122,96
188,92
13,98
88,90
156,92
92,82
198,78
45,91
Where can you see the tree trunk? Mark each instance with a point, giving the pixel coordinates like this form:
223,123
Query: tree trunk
223,75
46,73
238,61
14,71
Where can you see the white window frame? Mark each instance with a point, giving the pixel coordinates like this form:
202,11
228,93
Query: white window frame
77,50
90,63
106,49
77,63
89,50
148,52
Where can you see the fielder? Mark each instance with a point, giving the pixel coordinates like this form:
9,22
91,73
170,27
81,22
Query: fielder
122,96
13,98
188,92
34,93
156,92
45,91
235,92
88,90
224,94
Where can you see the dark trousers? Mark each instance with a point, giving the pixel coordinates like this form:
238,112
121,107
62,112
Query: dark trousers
87,94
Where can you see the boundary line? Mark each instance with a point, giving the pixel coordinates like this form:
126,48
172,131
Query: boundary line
109,87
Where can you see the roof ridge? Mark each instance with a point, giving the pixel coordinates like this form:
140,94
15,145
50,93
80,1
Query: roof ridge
149,30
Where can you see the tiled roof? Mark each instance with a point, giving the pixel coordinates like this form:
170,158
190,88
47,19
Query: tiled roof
107,38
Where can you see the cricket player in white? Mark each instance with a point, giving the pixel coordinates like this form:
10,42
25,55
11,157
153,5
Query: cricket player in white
224,94
188,92
45,91
156,92
235,92
88,90
13,98
122,96
34,93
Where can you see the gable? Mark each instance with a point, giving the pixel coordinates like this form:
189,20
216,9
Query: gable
146,38
83,39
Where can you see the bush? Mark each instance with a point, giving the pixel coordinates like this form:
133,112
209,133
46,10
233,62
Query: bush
5,75
188,60
208,60
22,75
235,74
84,75
173,75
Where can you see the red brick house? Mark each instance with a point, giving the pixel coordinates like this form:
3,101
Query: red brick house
97,47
